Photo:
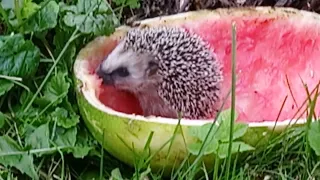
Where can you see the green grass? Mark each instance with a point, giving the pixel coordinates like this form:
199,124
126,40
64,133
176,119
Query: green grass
42,134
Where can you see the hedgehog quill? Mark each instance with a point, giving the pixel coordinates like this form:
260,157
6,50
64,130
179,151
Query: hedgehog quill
169,69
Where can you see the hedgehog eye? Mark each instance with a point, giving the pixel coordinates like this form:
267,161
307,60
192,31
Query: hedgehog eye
152,68
122,71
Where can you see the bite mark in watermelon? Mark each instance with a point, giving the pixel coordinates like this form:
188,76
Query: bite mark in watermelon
118,100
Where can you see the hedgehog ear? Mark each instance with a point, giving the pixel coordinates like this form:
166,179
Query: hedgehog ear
152,68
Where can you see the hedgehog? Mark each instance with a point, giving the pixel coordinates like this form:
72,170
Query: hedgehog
172,72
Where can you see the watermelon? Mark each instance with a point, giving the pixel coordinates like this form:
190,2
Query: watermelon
277,58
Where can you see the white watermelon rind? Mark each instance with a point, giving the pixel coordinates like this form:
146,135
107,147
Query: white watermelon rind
107,125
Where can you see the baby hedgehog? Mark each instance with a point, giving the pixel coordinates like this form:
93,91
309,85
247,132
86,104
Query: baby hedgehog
170,70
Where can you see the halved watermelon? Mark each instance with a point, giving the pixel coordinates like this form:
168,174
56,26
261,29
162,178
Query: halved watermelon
277,50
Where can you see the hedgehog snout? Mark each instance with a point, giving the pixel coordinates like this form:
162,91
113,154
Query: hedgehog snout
107,78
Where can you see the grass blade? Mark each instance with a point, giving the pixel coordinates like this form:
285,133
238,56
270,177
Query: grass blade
233,88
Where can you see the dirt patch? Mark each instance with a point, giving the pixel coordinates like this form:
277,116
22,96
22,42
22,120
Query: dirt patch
154,8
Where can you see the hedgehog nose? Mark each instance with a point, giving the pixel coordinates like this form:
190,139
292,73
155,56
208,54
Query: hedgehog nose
107,78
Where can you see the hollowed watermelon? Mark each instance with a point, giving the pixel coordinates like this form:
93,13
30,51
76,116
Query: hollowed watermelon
277,50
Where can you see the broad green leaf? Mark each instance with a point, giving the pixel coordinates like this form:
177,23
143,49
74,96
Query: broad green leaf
22,162
194,148
220,130
100,22
116,174
80,151
84,144
29,115
83,6
66,137
61,38
39,138
28,8
236,147
210,147
2,119
314,137
202,131
55,90
64,118
45,18
27,129
5,86
131,3
225,116
223,131
7,4
18,57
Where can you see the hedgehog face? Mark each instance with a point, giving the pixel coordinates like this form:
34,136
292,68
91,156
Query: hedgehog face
128,70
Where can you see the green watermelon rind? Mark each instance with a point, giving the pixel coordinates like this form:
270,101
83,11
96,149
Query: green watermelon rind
120,135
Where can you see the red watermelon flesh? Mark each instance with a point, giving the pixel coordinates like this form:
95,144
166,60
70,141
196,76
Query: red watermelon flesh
268,51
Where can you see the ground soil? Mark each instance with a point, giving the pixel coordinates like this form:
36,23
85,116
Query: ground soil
153,8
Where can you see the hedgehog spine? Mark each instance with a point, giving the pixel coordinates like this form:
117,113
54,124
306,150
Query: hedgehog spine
190,72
